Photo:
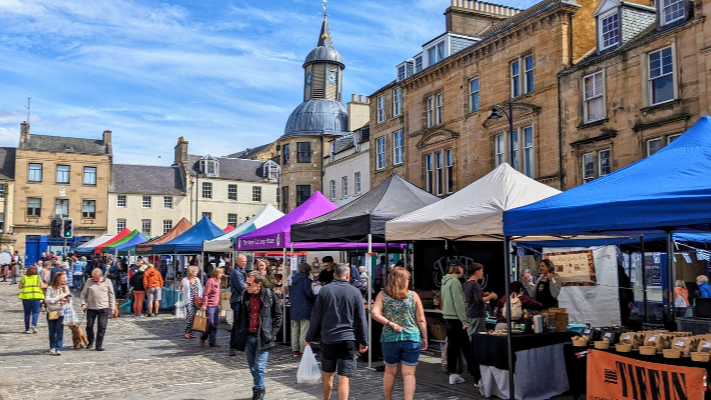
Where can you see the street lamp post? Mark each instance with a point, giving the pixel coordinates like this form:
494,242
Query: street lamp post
495,113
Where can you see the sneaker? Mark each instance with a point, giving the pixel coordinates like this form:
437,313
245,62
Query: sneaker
28,331
455,379
89,346
99,348
296,353
233,352
52,352
141,315
58,353
33,329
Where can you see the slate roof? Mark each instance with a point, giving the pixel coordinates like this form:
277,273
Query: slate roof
248,153
7,163
60,144
147,179
230,168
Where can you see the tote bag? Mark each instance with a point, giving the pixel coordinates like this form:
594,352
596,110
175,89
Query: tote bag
200,322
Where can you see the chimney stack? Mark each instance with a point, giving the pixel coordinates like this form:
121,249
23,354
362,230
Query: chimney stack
24,133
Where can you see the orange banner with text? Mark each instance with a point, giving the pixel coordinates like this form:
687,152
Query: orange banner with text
613,377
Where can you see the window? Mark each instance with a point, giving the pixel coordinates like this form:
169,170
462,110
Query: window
398,147
167,201
333,190
88,208
285,154
527,137
474,95
397,102
428,173
256,193
271,171
90,175
610,31
401,73
432,56
3,187
303,192
146,203
61,208
206,190
604,167
672,138
661,76
209,166
207,215
594,109
528,74
278,192
513,155
344,186
499,149
121,225
303,150
167,225
449,172
284,198
357,182
653,146
231,192
588,167
438,116
381,109
232,220
145,227
35,173
34,206
380,149
672,10
63,173
418,64
121,200
436,53
515,79
438,172
430,112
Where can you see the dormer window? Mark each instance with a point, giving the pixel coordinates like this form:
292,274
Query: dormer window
271,171
609,30
401,73
435,53
672,10
209,166
418,64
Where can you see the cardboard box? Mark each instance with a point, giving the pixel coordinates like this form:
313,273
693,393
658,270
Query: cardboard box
225,295
438,332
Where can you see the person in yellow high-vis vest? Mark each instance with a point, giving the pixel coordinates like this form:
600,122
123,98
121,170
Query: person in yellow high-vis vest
31,293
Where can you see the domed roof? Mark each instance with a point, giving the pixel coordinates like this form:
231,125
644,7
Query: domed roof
318,117
324,53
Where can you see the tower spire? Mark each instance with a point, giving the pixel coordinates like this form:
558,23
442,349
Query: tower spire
324,38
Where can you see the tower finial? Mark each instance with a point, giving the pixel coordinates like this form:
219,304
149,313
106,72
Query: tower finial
325,37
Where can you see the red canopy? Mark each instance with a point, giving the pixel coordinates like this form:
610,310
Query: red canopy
125,232
229,228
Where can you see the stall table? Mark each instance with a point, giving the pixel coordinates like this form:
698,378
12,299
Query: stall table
531,353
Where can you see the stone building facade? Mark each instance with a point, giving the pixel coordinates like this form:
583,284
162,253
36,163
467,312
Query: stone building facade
646,82
347,171
432,126
63,177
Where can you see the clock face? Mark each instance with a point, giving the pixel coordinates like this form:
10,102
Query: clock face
331,77
308,79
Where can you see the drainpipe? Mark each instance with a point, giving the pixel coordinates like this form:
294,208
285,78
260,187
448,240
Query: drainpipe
321,156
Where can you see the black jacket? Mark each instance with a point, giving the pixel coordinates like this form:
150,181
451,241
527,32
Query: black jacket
270,320
302,297
339,314
136,281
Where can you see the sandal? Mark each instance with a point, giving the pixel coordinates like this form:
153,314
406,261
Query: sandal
188,336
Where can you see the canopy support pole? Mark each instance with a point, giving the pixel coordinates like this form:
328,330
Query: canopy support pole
509,347
283,291
670,276
644,280
369,262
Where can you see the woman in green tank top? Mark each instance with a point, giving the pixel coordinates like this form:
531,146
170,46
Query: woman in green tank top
31,293
405,331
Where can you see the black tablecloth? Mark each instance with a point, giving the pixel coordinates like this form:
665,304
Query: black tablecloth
492,350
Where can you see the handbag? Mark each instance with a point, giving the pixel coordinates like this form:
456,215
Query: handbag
200,322
53,315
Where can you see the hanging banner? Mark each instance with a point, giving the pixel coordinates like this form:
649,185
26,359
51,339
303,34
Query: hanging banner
614,377
575,268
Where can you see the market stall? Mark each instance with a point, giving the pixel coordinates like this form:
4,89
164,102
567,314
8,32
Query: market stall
88,247
177,230
98,248
225,243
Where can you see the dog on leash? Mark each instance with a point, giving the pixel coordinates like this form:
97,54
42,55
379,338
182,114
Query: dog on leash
116,313
78,337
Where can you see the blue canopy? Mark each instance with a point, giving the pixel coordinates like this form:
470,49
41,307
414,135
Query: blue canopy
677,237
669,190
191,240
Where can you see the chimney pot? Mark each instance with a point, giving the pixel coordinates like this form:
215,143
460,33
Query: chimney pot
360,98
353,97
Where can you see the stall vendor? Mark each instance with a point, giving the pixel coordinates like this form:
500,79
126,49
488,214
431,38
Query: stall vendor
548,285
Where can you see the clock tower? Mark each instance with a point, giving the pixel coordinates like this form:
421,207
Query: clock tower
319,118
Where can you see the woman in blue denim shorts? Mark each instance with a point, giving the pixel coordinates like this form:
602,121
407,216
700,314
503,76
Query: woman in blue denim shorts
405,331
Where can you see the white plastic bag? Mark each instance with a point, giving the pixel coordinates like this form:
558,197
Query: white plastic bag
180,311
309,372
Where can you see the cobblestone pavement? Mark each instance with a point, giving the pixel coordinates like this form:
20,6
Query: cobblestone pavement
148,358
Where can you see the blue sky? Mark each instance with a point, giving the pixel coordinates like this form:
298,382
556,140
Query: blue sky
223,74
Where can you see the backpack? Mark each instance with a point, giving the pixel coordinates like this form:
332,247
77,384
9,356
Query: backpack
516,309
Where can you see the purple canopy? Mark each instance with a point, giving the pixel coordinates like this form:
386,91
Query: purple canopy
277,235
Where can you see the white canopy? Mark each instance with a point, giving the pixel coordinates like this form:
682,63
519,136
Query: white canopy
223,244
96,241
473,213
